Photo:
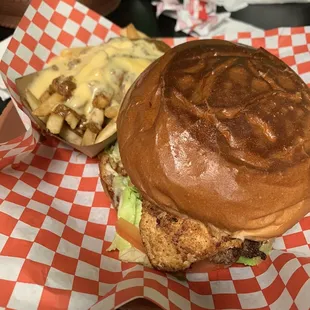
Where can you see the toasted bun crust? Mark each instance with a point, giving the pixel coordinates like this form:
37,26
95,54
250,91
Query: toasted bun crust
106,177
220,132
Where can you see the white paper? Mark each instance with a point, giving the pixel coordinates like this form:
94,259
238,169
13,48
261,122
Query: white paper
4,94
228,25
187,17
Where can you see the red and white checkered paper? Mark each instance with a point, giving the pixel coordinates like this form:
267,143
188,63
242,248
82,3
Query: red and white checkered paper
56,222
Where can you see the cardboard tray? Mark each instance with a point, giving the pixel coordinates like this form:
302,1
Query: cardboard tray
91,150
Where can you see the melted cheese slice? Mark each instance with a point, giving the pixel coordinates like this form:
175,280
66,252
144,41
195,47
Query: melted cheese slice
109,69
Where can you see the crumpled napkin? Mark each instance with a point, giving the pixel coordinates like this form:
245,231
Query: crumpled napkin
199,17
4,94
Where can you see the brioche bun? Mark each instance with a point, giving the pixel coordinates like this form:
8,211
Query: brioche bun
220,132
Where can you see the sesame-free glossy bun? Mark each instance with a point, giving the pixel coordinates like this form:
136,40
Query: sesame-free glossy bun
220,132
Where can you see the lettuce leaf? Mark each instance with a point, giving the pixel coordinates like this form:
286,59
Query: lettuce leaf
119,244
129,204
249,261
132,255
130,209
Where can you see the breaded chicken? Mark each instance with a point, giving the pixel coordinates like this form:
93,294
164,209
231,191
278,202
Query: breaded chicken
173,243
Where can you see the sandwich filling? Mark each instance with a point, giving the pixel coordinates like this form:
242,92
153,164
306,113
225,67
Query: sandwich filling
170,242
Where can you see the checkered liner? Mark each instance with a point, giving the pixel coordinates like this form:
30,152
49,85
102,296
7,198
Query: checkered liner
56,222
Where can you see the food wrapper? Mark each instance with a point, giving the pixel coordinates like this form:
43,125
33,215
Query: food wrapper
16,141
4,94
56,222
199,18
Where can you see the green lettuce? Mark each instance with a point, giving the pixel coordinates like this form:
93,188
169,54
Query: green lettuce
249,261
129,208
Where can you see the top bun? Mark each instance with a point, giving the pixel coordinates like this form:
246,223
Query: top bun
220,132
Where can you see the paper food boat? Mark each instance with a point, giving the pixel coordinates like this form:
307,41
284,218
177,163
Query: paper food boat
92,150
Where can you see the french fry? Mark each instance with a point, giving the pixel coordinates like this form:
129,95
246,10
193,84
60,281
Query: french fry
48,106
100,101
34,103
97,116
72,120
89,137
142,35
67,134
45,96
132,33
112,111
123,32
43,118
93,127
107,131
73,52
54,123
32,100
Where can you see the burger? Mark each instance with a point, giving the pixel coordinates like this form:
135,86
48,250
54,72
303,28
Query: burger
212,160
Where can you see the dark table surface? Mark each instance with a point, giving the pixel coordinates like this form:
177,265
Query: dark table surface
142,14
